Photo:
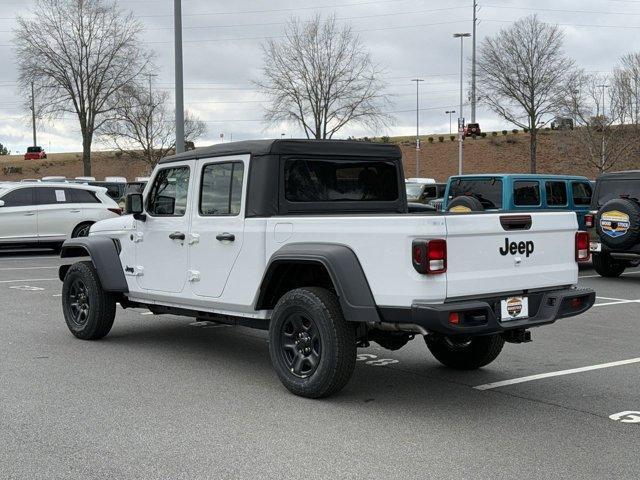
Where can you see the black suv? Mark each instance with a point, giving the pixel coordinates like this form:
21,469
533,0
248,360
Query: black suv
615,214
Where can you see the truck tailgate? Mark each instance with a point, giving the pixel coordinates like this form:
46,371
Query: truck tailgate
486,254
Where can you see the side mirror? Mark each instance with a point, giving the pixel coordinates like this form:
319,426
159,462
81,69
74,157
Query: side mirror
134,205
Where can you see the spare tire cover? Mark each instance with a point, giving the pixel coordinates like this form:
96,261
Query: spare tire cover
618,223
465,204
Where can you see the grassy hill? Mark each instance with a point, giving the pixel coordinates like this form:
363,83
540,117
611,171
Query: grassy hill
558,153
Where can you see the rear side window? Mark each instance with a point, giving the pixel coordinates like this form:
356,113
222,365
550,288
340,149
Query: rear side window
21,197
221,190
52,195
610,189
77,195
168,195
340,181
582,193
526,193
556,193
487,190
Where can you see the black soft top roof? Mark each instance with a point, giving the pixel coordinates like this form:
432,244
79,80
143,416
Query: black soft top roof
292,147
627,175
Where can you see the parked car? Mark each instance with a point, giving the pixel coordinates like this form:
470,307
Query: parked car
313,241
562,123
48,213
519,192
615,223
472,130
131,187
35,153
115,190
424,192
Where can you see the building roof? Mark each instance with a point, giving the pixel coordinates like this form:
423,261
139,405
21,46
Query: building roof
291,147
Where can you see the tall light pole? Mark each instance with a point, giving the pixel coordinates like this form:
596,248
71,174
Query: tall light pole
604,119
33,114
417,80
461,36
450,112
150,77
179,93
473,62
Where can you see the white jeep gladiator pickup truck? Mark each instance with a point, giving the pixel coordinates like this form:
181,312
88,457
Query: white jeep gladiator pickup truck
314,241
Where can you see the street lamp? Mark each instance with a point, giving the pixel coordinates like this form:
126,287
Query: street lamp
604,119
461,36
450,112
179,93
417,80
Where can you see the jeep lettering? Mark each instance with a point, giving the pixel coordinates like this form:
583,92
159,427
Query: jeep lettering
514,248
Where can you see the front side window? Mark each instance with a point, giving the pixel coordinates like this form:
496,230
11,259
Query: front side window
168,195
526,193
319,180
582,192
21,197
556,193
221,191
487,190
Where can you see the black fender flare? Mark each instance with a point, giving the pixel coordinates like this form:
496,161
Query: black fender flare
345,271
105,257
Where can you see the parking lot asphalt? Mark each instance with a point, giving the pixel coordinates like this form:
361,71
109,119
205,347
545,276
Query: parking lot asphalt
167,397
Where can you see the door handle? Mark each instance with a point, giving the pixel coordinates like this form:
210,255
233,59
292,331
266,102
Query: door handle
74,211
177,236
29,214
228,237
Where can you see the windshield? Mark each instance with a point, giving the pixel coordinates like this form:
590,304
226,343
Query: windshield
487,190
414,190
34,149
610,189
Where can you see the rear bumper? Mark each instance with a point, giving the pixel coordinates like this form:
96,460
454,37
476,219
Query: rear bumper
482,317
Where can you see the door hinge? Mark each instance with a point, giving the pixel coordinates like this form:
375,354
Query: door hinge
136,271
194,238
193,276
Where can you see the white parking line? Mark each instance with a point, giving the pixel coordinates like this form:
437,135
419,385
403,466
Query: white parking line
27,268
599,276
606,304
30,280
530,378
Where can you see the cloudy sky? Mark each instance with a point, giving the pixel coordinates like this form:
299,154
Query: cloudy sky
410,38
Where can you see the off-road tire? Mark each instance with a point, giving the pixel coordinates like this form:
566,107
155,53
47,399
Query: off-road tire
472,203
101,306
608,267
335,337
81,230
479,352
631,236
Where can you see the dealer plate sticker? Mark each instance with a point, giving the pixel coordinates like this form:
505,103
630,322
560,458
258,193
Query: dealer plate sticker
614,223
514,308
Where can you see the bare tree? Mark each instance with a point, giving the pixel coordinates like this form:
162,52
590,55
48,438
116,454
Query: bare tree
600,139
521,72
321,77
626,85
142,128
78,54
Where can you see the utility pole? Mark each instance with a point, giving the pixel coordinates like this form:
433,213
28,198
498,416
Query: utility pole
33,114
450,112
461,36
151,109
417,80
473,62
604,132
179,93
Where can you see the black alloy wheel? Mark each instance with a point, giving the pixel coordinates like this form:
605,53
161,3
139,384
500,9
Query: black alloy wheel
300,345
79,303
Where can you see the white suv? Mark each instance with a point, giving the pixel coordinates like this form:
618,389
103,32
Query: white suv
48,213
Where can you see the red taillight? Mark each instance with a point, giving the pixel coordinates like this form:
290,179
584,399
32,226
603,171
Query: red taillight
429,257
576,303
582,247
454,318
588,220
117,211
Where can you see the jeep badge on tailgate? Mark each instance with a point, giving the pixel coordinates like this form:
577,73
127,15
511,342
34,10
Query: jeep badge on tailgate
513,248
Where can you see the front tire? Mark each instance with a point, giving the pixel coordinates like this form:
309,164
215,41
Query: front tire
88,310
465,354
605,266
312,346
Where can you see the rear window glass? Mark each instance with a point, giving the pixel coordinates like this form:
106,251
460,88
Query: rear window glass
526,193
582,192
340,181
77,195
610,189
49,196
34,149
487,190
414,190
556,193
